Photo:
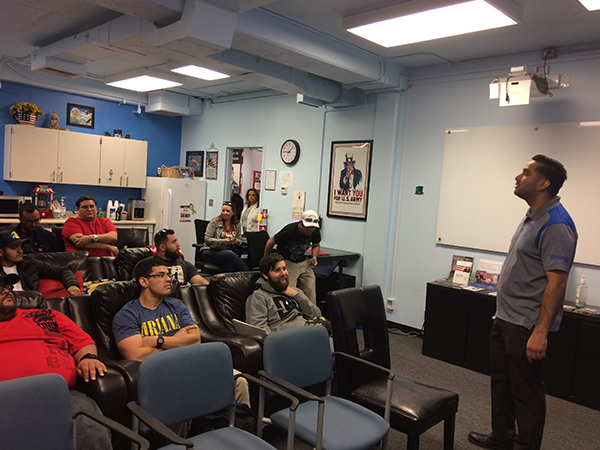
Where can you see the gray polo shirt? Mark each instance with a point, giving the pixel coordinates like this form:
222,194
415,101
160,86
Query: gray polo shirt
544,241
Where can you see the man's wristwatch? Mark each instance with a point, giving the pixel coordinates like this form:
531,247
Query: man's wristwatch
160,341
88,356
95,238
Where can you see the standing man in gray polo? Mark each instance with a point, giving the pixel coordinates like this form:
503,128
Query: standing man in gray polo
529,305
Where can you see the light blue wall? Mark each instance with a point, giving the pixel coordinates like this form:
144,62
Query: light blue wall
398,240
162,133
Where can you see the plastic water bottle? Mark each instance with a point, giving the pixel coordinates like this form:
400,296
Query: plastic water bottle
581,293
63,208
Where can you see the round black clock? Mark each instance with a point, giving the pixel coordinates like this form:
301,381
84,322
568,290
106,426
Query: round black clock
290,152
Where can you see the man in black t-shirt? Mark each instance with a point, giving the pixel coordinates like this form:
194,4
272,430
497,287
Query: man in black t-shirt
292,242
29,228
168,254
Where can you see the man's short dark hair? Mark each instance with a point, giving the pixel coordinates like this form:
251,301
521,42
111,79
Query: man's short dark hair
269,262
144,268
551,170
28,208
85,198
162,237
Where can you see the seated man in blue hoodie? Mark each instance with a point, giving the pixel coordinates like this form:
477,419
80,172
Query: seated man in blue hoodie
275,305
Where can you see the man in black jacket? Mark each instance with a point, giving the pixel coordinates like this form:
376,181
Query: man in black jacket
11,257
29,228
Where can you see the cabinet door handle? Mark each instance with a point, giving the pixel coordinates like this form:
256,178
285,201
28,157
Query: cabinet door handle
127,181
60,178
53,175
121,181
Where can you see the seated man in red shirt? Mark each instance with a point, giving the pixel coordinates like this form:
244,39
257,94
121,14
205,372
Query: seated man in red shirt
88,232
38,341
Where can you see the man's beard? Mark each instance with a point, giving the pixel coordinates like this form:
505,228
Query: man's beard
279,286
171,255
7,312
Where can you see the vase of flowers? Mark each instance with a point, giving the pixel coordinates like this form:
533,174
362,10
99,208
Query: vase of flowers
26,113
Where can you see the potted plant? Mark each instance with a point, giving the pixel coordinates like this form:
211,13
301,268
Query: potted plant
25,112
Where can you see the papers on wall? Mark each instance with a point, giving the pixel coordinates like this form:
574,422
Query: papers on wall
487,274
298,203
460,272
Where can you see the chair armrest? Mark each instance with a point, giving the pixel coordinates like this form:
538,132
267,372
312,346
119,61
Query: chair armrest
293,400
388,372
387,411
115,426
110,394
289,386
157,425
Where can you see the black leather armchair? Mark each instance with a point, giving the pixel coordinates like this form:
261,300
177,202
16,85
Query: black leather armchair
228,293
416,407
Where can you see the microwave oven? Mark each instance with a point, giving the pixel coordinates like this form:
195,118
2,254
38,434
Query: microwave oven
9,206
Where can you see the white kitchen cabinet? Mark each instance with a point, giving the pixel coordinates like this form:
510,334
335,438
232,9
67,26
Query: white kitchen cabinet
51,156
78,158
30,154
123,162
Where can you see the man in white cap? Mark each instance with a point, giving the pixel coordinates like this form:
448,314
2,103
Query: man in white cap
293,241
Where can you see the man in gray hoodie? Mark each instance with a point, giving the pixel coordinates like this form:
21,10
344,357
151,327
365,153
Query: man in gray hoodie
274,305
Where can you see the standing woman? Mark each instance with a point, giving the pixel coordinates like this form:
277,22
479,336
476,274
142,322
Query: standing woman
250,212
221,237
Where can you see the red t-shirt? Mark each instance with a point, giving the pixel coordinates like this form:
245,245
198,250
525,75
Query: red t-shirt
38,341
75,225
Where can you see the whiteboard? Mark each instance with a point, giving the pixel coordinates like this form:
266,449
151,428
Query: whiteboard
478,208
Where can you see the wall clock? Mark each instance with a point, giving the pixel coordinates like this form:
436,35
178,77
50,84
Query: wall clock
290,152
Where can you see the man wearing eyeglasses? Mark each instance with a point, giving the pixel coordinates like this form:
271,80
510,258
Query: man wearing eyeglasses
156,322
29,228
168,254
293,241
89,232
39,341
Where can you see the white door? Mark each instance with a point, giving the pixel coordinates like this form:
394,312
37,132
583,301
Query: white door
135,164
30,154
111,161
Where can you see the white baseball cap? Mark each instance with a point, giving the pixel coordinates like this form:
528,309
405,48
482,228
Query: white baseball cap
310,219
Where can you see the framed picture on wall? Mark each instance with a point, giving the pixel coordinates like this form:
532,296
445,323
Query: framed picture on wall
349,177
195,160
80,116
212,160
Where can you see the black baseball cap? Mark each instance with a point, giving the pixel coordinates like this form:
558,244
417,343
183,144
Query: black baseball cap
10,238
8,279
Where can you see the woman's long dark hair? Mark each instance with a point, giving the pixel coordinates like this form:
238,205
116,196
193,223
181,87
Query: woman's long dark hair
255,193
234,219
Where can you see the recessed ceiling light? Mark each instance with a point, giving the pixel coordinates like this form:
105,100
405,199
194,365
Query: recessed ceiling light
465,17
591,5
199,72
144,80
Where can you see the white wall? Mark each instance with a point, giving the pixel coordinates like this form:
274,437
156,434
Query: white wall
398,240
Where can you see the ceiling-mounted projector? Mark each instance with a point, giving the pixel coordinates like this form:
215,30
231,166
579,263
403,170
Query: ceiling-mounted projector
520,85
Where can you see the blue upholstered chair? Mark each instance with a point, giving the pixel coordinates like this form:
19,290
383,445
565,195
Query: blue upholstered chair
35,413
301,357
185,383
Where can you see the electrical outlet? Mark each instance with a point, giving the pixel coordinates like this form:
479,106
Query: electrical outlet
210,202
390,303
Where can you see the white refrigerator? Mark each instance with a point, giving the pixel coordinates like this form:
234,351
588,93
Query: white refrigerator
175,203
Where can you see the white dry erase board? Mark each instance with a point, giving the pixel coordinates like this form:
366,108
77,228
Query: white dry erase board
478,208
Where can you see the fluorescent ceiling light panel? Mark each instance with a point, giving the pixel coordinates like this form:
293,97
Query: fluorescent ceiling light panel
453,20
200,72
591,5
144,80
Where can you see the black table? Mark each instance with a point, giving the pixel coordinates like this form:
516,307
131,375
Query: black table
457,329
